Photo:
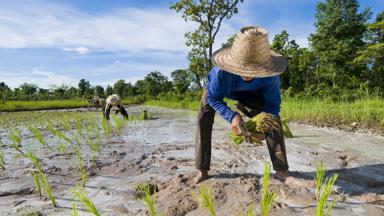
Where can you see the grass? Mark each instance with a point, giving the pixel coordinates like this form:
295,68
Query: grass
267,197
367,113
73,211
12,106
205,200
83,198
250,211
149,200
323,191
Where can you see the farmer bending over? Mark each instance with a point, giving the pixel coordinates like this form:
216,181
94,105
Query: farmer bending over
114,100
247,72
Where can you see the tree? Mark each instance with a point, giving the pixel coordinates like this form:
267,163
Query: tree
4,89
84,87
209,14
99,91
373,54
339,36
182,80
108,90
118,87
156,83
59,91
28,89
299,73
128,90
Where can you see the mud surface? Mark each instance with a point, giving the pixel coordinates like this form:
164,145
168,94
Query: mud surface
161,151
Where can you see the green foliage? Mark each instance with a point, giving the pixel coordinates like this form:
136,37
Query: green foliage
83,198
11,106
209,16
339,36
323,191
205,200
182,80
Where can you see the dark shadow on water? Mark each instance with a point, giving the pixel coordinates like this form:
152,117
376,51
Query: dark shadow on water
353,181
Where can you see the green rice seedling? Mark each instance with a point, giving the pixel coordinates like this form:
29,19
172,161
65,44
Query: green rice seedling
81,166
2,161
119,124
73,211
149,200
38,136
36,181
205,199
80,194
48,189
66,123
78,126
323,191
62,148
15,137
58,134
250,211
267,197
144,115
44,183
107,128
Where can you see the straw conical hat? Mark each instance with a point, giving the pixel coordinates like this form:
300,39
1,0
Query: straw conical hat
250,55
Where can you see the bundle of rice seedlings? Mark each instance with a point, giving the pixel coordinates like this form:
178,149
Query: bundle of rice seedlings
36,181
107,128
80,194
205,200
323,191
267,197
261,123
286,131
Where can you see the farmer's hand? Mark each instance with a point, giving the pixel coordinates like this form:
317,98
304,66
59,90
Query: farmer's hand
238,127
235,124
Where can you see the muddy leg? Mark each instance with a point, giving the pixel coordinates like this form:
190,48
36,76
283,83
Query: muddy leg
107,111
205,119
123,111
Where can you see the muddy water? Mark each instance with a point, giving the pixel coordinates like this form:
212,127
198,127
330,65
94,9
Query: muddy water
161,151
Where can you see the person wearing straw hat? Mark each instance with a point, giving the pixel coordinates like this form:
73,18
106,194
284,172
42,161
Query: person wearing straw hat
247,72
114,100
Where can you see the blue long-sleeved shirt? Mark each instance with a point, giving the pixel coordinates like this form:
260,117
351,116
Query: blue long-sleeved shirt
222,84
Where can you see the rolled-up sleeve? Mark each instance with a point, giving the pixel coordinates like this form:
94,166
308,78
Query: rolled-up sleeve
271,93
216,92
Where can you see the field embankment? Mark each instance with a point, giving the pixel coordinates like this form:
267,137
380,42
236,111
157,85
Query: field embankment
363,114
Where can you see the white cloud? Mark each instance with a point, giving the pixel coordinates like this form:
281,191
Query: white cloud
44,79
41,24
80,50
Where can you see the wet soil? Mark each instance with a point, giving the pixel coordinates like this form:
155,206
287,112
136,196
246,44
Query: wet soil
161,151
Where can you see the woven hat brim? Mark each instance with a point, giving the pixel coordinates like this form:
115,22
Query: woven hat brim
275,66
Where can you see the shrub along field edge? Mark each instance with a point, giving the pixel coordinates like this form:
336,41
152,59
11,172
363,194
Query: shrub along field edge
360,114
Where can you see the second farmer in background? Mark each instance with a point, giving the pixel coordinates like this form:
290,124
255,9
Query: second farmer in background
114,100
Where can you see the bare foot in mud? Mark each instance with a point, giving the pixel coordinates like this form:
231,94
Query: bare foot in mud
203,175
281,175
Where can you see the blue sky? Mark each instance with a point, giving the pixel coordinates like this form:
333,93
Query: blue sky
55,42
